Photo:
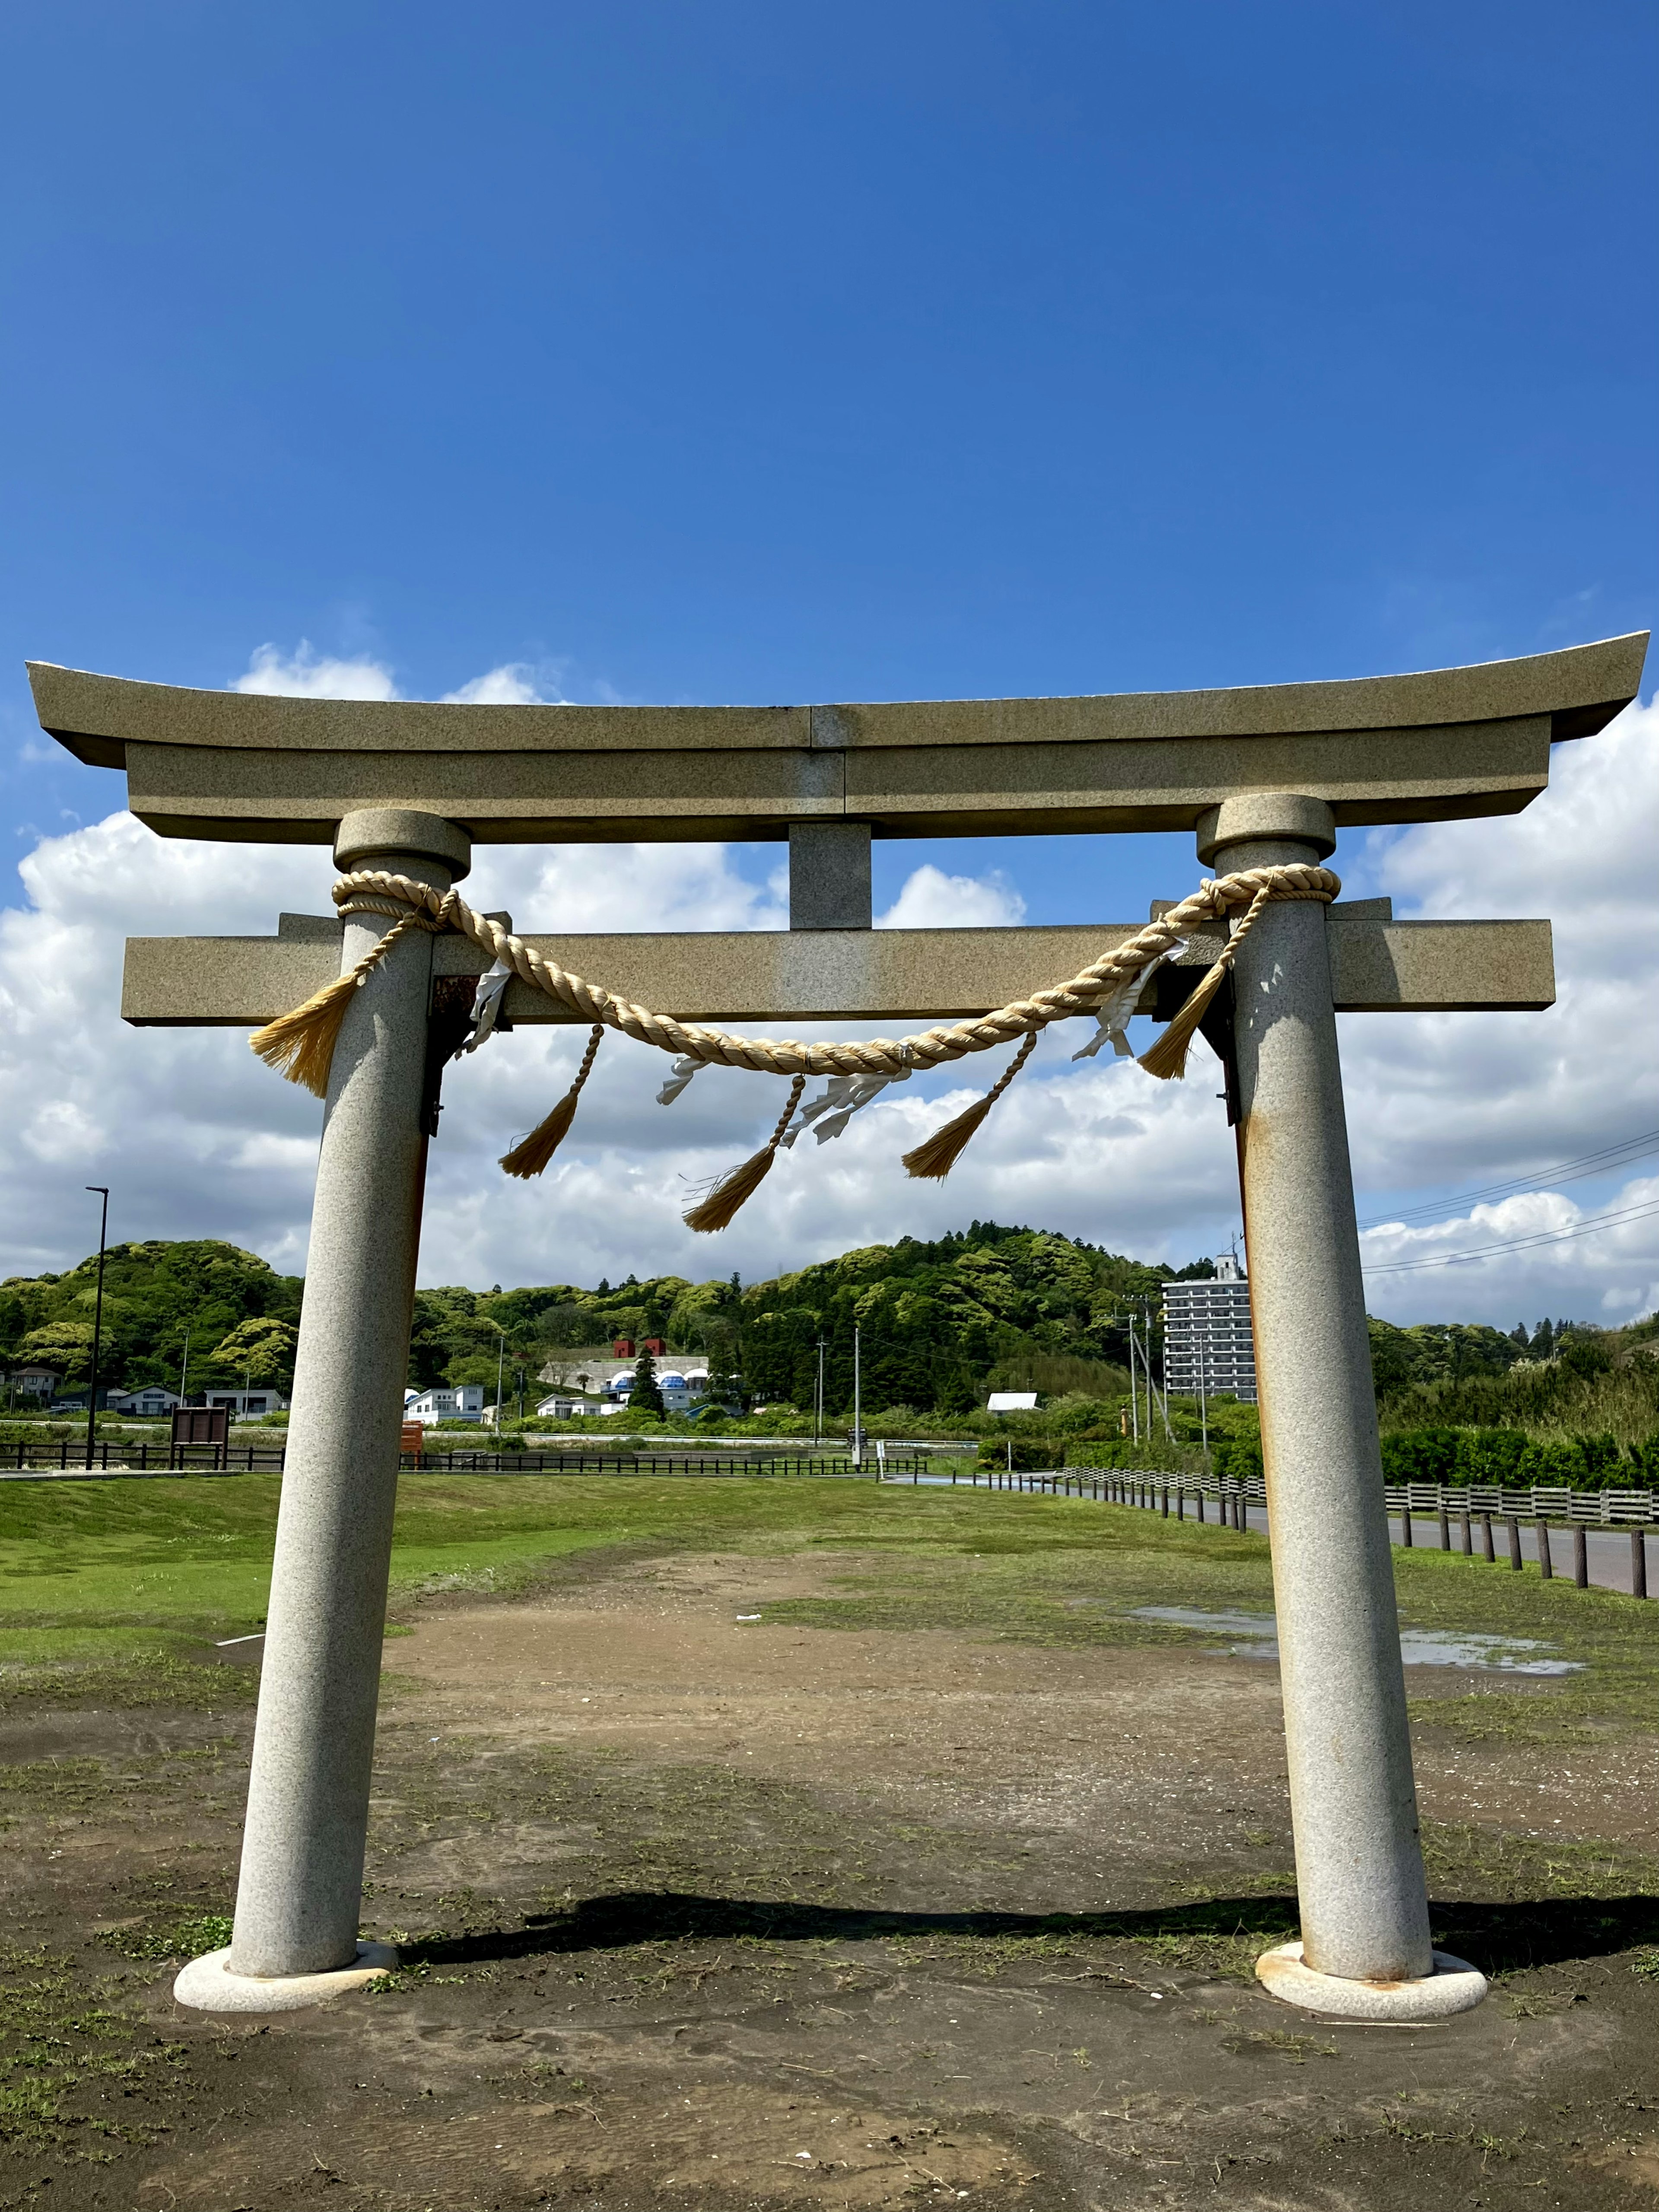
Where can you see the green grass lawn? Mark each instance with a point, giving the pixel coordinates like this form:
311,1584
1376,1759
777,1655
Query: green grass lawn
127,1573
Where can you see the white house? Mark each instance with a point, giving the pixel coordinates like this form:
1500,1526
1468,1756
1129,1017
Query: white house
36,1382
463,1401
248,1404
149,1404
558,1408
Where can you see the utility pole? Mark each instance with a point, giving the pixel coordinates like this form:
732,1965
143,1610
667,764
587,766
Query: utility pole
858,1405
103,1191
184,1370
1134,1402
817,1401
501,1371
1146,1361
1164,1393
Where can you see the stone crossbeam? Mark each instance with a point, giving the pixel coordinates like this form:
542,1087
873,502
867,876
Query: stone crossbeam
1437,746
1378,965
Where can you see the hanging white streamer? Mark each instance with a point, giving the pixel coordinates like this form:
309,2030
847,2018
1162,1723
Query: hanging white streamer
841,1097
683,1071
486,1006
1114,1015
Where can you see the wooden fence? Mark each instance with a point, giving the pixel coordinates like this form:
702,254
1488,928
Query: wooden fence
68,1457
650,1462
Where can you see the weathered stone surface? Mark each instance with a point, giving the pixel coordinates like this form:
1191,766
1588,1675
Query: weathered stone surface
1438,745
1378,965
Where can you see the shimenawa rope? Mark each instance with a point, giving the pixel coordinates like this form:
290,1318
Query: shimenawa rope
301,1044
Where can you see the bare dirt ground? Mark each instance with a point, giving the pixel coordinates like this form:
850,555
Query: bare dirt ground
706,1912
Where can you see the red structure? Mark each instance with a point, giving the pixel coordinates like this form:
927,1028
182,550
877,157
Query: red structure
622,1348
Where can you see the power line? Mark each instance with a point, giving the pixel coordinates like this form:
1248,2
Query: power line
1593,1226
1590,1163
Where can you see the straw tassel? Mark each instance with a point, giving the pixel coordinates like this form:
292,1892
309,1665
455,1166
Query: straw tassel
718,1209
300,1045
934,1158
530,1157
1167,1059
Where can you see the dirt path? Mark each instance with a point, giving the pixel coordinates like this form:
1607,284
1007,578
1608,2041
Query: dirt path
1165,1753
703,1912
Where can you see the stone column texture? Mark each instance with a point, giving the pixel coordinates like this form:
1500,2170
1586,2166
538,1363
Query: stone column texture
299,1897
1354,1801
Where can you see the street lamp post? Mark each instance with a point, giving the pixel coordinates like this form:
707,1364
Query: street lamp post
817,1401
103,1191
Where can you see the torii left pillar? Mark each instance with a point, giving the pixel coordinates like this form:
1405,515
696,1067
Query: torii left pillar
297,1903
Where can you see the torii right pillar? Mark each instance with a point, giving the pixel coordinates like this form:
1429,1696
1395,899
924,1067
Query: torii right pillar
1365,1952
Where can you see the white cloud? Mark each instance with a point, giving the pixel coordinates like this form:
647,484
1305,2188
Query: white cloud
1459,1101
175,1121
1558,1257
307,674
198,1139
932,900
512,685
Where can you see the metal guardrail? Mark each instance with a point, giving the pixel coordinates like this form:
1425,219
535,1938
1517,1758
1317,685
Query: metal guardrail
1590,1509
1581,1510
1170,1494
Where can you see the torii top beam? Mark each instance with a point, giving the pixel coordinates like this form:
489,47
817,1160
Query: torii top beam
1452,743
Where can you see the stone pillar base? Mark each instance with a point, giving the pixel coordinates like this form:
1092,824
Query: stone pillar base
1454,1986
207,1984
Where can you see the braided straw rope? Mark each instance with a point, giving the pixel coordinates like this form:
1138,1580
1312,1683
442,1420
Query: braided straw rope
375,891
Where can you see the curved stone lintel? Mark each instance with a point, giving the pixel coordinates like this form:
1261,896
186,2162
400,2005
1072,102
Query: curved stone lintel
1454,1986
1438,745
207,1984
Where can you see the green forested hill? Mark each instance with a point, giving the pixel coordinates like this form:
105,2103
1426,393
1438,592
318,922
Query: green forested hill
940,1323
936,1320
154,1295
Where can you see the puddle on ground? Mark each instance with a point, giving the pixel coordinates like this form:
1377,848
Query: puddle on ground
1257,1635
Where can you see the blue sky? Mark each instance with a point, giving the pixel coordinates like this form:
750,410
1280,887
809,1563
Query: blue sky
760,353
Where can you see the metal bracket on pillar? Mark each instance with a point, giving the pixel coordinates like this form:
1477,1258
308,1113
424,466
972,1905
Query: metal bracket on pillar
1173,985
448,1021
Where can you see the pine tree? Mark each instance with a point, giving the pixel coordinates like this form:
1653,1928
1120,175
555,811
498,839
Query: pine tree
646,1397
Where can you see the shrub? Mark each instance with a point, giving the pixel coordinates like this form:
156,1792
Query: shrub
1238,1458
1030,1454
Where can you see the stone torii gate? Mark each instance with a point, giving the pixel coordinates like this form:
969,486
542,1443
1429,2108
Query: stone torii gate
1265,776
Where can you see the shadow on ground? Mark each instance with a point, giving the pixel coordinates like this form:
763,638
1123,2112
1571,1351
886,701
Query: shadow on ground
1500,1937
